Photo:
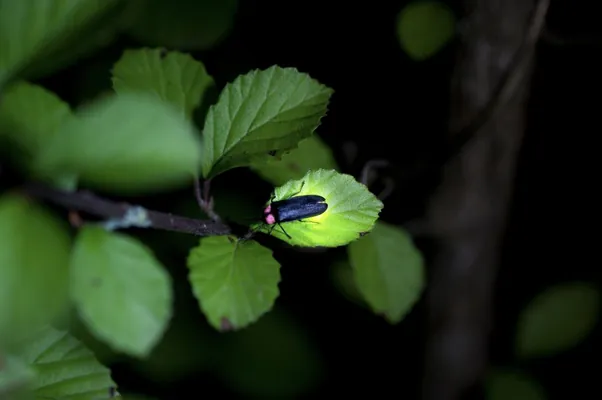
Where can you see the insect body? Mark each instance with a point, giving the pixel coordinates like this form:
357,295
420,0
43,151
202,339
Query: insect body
295,208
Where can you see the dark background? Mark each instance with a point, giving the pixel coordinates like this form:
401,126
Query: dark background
396,109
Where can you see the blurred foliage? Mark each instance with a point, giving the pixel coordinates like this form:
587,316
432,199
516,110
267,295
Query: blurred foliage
424,27
183,24
132,121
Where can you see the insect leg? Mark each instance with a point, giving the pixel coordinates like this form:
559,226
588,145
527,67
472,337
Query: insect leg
287,235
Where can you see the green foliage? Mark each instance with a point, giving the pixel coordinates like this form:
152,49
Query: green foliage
343,279
129,396
121,291
185,347
34,260
235,282
261,112
557,319
173,77
141,139
506,385
388,271
31,30
183,24
312,153
97,33
271,359
129,143
352,210
424,27
30,116
15,375
55,365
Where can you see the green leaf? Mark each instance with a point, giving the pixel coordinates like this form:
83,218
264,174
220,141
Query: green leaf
65,368
510,385
78,328
121,291
30,29
424,27
15,375
343,279
234,282
312,153
183,24
96,34
557,319
128,144
253,361
173,77
131,396
34,263
388,271
30,116
261,112
187,347
184,350
352,210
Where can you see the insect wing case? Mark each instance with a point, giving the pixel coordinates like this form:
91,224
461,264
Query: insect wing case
297,208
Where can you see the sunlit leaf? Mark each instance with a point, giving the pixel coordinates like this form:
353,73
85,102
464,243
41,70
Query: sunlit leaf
352,210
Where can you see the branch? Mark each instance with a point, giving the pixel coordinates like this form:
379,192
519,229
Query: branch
554,39
206,202
469,127
123,215
506,86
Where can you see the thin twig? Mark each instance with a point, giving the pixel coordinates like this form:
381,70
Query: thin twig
389,187
555,39
125,215
368,169
205,200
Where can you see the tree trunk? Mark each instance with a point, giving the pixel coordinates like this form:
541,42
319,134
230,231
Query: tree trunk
468,212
